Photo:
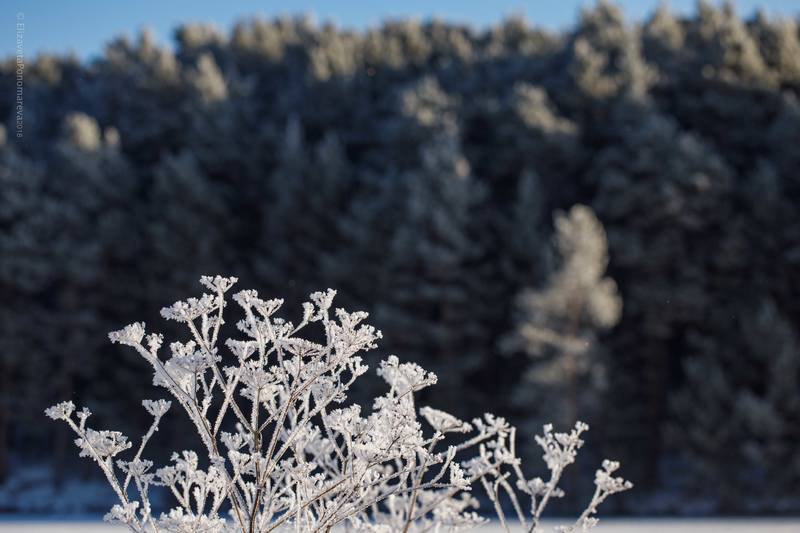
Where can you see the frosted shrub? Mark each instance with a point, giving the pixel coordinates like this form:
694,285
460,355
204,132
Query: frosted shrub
282,450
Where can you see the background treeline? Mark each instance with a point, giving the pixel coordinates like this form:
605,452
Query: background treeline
419,168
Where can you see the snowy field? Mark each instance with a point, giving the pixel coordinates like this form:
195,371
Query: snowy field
606,526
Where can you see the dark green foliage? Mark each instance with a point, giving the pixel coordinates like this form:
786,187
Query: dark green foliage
416,167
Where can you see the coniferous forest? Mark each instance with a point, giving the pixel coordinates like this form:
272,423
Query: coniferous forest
598,224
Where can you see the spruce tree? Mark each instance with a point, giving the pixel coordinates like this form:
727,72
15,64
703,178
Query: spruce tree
779,44
439,284
664,197
557,323
304,198
742,407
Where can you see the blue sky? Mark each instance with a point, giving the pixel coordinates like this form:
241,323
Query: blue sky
85,26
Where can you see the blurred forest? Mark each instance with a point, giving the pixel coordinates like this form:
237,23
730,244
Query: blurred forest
598,223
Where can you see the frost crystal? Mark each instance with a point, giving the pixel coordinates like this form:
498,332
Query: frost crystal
444,422
291,457
60,411
157,408
131,335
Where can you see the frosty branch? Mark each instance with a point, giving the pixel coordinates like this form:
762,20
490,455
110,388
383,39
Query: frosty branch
296,458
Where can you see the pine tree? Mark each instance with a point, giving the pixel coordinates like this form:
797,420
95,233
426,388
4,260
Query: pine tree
24,274
558,323
219,107
663,37
305,197
141,94
524,132
723,49
779,44
63,244
664,197
742,407
195,40
604,59
188,224
523,232
439,285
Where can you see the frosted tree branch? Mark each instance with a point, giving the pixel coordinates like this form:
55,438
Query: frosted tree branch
283,450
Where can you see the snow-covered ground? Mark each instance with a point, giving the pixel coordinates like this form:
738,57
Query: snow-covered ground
744,525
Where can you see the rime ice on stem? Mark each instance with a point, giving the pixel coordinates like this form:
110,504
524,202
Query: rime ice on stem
300,459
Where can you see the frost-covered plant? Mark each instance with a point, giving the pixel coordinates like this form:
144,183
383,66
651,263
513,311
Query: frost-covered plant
296,458
560,450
